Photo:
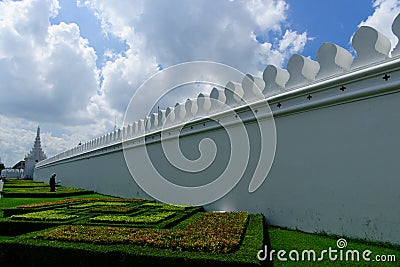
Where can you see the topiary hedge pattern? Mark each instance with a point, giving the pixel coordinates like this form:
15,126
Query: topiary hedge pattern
46,215
101,224
103,211
145,218
214,232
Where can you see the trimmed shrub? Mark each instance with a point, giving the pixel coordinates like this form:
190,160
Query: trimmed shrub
74,200
111,209
98,203
145,218
46,215
204,234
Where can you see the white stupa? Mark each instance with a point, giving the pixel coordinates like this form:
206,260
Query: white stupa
35,155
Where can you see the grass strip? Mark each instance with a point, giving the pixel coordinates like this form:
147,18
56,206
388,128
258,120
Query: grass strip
287,240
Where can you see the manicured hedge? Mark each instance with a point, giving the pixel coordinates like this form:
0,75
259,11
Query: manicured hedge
180,216
212,232
111,209
141,231
14,228
98,203
46,215
165,206
140,218
39,252
45,194
121,212
26,185
76,200
145,218
22,209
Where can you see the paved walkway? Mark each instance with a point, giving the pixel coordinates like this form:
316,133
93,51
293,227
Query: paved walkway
1,185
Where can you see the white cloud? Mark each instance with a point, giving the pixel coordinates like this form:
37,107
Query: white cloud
49,76
382,18
172,32
268,14
123,75
292,42
268,55
48,72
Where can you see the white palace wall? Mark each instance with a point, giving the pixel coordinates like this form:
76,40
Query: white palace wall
336,165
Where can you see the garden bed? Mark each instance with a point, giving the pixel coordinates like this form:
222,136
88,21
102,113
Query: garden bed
43,194
94,231
46,215
201,243
21,209
211,232
144,218
96,212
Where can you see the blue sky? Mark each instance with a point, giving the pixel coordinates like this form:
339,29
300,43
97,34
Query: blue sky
72,66
328,21
90,28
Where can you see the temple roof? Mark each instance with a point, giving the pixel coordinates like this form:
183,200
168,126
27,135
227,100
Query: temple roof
37,152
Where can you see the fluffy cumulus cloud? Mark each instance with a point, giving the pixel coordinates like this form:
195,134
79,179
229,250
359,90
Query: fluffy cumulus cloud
292,42
382,18
123,75
50,69
48,75
164,33
267,14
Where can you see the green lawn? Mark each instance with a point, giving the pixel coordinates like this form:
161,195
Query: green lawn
287,240
280,239
14,202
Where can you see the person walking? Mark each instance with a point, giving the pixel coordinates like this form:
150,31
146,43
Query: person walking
53,183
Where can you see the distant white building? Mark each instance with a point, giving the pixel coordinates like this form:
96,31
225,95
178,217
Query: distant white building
1,165
11,173
35,155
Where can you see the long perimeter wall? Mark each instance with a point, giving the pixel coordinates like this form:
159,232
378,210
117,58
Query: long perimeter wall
336,167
